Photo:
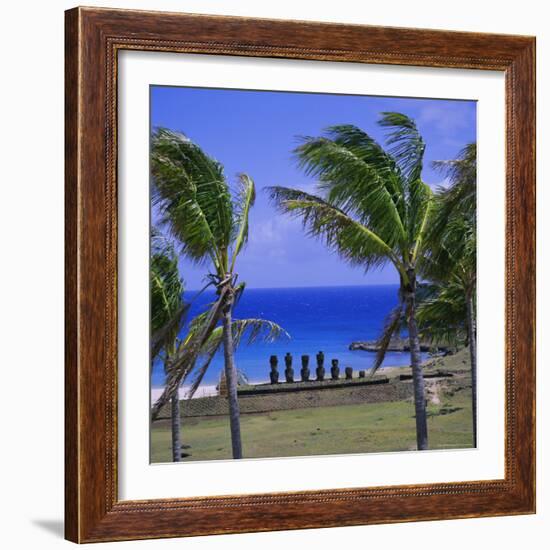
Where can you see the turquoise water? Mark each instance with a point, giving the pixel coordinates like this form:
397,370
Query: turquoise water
324,319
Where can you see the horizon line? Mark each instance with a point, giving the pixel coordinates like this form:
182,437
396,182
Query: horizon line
297,287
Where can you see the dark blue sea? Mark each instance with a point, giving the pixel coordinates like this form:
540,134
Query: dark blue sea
324,319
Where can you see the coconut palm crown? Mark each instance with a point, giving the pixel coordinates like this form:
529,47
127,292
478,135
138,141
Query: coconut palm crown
372,209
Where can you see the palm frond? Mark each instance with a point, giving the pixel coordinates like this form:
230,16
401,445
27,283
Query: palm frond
441,313
421,206
353,241
451,244
183,361
166,335
406,144
203,368
245,201
462,175
392,326
357,177
249,330
373,154
239,291
363,146
168,308
460,197
256,330
192,195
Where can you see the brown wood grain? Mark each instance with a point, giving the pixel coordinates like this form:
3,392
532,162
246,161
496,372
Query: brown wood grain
71,285
93,38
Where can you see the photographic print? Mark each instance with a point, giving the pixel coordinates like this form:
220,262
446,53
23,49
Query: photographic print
313,274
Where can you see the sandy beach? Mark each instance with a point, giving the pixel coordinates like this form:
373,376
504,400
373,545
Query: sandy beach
203,391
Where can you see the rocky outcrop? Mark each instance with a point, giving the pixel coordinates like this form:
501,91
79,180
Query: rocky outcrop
397,345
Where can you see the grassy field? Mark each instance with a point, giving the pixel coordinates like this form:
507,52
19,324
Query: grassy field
375,427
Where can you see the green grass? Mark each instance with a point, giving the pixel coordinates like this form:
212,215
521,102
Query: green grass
375,427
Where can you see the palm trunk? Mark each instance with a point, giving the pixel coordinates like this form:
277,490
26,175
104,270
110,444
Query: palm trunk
176,428
472,343
416,365
231,380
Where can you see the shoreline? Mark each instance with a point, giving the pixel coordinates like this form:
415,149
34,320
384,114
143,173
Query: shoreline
209,390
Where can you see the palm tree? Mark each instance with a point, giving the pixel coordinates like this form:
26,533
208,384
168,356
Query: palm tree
441,313
451,261
373,209
251,330
211,225
168,311
167,316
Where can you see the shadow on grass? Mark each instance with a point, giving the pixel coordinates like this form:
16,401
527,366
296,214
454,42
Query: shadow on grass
443,411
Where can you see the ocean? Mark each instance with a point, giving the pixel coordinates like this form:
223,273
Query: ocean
324,319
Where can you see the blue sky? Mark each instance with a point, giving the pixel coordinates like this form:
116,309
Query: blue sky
255,131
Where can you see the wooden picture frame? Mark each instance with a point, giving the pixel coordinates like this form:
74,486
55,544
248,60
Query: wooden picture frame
93,511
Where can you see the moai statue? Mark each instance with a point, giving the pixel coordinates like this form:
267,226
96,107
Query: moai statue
335,370
361,374
289,371
274,374
320,370
349,373
304,372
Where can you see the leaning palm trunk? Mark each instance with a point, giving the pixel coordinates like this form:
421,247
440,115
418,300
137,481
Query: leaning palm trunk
231,380
416,365
186,358
176,428
472,343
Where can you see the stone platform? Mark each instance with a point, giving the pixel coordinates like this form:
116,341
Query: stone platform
289,396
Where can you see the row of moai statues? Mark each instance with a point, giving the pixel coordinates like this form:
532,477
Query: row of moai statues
305,371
